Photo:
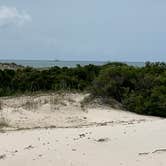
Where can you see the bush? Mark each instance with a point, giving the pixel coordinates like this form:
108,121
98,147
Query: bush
140,90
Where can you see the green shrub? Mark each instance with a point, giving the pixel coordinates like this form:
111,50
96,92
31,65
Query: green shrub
140,90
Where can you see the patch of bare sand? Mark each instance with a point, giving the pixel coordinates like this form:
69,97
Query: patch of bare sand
120,145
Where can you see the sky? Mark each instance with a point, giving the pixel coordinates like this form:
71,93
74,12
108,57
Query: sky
97,30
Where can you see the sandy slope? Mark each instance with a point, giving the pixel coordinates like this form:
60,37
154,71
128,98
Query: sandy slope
61,111
95,136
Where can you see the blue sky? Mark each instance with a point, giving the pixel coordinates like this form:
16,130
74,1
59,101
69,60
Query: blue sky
121,30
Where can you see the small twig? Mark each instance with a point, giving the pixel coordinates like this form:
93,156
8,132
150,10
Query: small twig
159,150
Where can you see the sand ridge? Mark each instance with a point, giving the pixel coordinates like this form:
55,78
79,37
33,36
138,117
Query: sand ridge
62,110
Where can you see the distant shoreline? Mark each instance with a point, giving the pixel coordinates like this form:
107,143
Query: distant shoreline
62,63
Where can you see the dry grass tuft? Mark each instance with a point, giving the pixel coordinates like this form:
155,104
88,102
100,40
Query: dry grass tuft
3,122
1,105
31,104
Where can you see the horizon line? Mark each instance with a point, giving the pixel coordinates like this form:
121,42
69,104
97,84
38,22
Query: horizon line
58,60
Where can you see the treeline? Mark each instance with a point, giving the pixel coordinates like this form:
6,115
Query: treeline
54,78
139,89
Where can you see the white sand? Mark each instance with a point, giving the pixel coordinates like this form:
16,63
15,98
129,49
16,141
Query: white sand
103,137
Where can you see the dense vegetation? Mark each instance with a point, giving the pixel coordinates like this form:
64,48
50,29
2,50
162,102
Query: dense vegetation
55,78
139,89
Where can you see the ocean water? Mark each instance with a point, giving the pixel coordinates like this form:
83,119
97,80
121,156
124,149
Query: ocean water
49,63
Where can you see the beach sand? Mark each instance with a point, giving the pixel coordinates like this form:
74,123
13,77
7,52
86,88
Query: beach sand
49,130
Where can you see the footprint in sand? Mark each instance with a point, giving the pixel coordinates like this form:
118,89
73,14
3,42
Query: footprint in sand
2,157
29,147
143,154
74,150
102,140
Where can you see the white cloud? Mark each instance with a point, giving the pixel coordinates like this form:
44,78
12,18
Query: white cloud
11,16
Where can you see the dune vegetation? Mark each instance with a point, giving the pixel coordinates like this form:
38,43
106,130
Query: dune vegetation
138,89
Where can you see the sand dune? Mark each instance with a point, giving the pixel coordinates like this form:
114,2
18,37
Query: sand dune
61,133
